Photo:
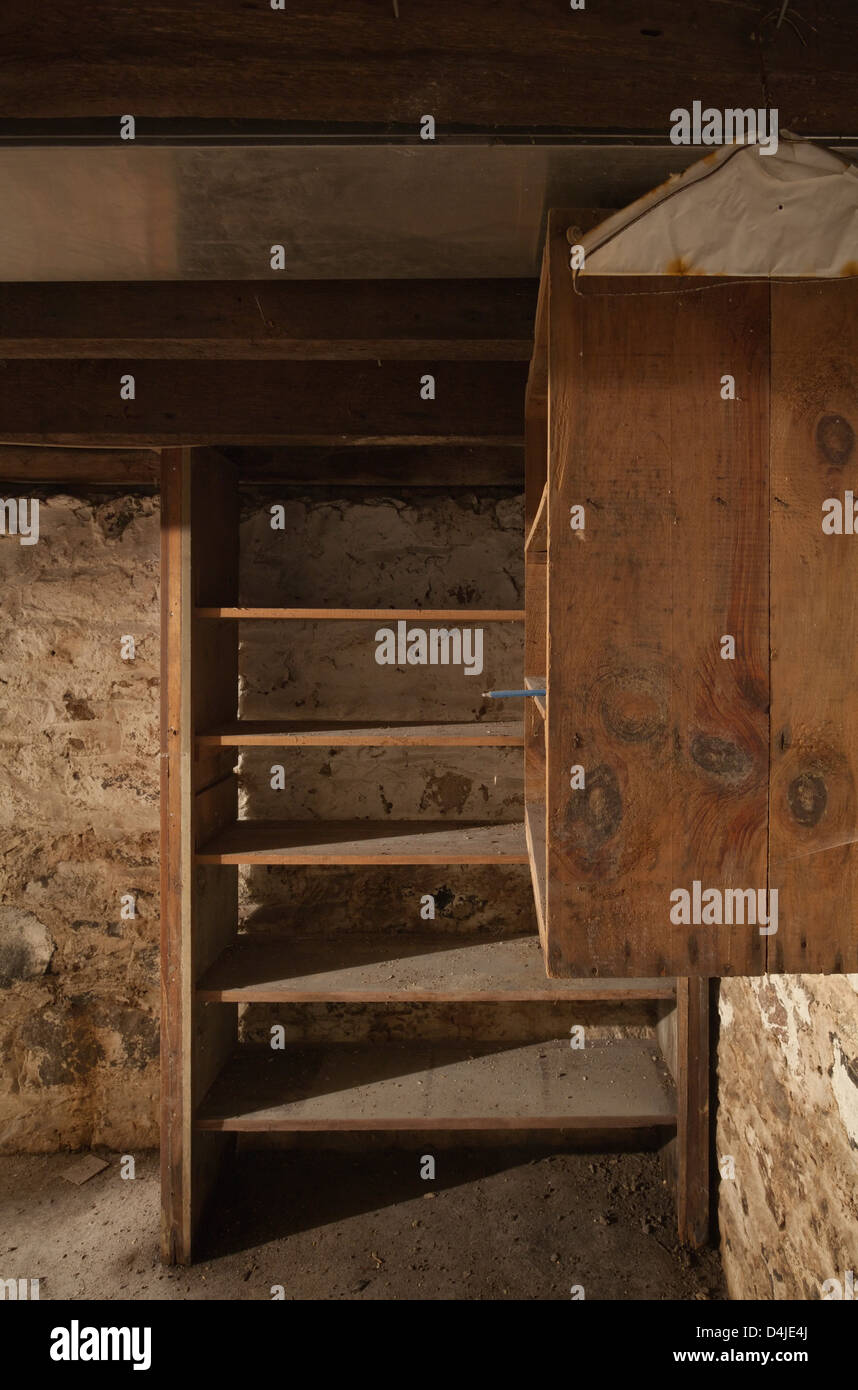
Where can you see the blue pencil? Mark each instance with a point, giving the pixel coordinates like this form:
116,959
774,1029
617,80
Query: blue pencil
504,694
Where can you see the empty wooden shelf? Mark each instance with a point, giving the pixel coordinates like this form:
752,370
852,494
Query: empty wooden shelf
367,967
366,842
285,733
376,615
443,1086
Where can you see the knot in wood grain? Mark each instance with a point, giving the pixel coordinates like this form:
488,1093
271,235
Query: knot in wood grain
836,439
634,708
721,757
594,814
808,797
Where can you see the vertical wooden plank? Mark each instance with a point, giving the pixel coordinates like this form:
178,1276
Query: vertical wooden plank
175,862
814,628
213,581
666,1030
535,598
692,1094
199,903
674,555
535,636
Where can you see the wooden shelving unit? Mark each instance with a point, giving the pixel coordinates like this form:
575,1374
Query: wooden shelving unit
214,1085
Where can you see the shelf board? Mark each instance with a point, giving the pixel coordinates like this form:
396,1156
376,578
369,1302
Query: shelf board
284,733
389,615
382,967
537,683
616,1084
366,842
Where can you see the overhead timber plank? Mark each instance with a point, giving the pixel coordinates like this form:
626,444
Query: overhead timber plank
480,65
454,1086
264,402
813,854
427,465
30,463
482,320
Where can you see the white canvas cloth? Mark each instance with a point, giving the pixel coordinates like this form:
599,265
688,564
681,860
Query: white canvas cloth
737,212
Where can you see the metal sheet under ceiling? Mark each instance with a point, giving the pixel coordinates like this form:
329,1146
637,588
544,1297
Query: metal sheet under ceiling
208,212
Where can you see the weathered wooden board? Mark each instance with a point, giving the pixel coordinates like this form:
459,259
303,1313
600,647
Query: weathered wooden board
263,402
416,966
30,463
484,64
482,320
535,596
442,615
287,733
456,1086
366,842
674,556
199,906
175,848
692,1104
813,860
426,465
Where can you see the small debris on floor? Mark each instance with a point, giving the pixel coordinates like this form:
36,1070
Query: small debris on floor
332,1225
82,1169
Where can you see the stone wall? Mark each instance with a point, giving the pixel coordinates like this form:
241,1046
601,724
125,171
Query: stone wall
788,1116
79,826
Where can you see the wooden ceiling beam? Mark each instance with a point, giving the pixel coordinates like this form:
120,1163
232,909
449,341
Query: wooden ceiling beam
480,320
487,64
422,466
222,403
35,464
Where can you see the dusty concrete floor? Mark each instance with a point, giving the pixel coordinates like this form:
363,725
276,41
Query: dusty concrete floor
505,1224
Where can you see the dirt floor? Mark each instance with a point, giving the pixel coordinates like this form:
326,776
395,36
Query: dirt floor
494,1225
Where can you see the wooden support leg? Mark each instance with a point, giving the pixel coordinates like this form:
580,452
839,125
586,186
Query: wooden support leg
692,1137
198,904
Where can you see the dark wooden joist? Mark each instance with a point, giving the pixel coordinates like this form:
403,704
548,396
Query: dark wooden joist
32,463
483,320
403,466
316,403
427,465
485,64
